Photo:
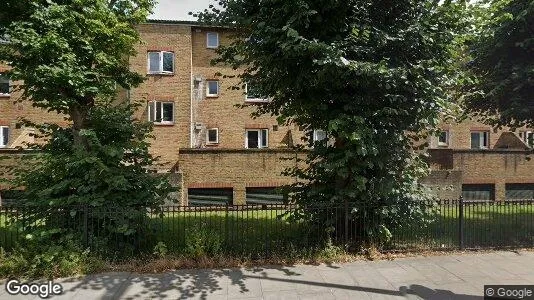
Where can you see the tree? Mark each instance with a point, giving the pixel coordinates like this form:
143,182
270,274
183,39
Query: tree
503,64
71,57
366,71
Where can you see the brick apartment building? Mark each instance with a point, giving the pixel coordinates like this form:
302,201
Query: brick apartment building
221,154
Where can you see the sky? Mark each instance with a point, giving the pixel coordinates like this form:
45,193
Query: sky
178,9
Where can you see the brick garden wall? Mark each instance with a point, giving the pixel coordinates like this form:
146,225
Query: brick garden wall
495,167
234,168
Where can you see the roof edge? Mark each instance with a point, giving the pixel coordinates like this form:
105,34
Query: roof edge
182,22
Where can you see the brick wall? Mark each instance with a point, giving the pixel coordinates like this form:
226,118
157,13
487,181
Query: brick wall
444,184
495,167
460,133
234,168
173,88
221,112
12,109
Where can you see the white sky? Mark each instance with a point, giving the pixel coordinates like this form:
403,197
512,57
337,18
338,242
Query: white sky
178,9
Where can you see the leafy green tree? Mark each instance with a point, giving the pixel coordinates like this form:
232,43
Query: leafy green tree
503,64
373,74
71,57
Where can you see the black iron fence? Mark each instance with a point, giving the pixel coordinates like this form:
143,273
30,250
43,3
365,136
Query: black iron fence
267,230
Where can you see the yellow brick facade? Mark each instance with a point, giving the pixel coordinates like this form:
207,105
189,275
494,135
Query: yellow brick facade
183,147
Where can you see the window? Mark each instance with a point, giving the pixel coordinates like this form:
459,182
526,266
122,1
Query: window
519,191
265,195
160,62
212,88
210,196
527,137
252,95
443,139
161,112
319,135
212,136
212,40
479,139
4,136
478,191
257,138
4,85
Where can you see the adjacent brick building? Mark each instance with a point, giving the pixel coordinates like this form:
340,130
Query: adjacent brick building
224,155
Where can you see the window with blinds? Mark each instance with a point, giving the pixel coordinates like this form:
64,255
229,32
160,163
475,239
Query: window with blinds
210,196
519,191
478,192
265,195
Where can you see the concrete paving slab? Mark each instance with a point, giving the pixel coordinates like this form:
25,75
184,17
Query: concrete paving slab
280,295
441,277
343,294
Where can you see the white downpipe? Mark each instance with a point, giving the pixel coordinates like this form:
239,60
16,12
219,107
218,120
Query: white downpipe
191,123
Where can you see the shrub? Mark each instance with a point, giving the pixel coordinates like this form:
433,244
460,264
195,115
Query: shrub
58,259
203,241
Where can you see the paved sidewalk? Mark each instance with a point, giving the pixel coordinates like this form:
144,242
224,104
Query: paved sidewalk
438,277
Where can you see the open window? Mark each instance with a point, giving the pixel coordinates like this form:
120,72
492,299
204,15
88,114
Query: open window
257,138
160,62
161,112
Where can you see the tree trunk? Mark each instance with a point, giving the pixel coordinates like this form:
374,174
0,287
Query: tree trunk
79,115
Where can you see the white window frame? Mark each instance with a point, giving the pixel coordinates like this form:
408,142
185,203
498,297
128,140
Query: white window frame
154,117
447,139
160,69
2,136
208,40
481,138
524,135
261,132
208,94
208,136
316,134
254,100
9,86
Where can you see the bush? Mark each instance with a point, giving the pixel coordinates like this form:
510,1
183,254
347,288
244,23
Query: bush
202,241
38,260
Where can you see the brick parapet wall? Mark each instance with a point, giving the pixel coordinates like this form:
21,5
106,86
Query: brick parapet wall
235,168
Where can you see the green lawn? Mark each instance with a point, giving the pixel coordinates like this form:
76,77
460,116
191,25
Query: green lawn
485,225
256,232
249,232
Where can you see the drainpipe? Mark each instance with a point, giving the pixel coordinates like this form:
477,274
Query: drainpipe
191,123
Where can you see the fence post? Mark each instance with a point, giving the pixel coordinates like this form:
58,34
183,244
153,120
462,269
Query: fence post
346,223
85,225
226,241
461,223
